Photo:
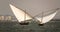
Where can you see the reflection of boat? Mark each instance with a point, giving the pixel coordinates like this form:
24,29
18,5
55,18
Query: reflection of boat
20,15
46,17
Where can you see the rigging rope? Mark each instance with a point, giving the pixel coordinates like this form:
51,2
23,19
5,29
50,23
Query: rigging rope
47,12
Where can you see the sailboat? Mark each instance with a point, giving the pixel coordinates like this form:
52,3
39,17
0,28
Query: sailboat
47,16
21,16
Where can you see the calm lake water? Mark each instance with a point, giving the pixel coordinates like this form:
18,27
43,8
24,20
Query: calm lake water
9,26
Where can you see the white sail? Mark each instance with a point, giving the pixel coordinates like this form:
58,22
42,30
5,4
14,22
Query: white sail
46,18
19,14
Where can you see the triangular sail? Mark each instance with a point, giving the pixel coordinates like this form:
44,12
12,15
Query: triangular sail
19,14
46,18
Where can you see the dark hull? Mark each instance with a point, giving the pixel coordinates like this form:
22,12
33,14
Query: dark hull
24,23
41,24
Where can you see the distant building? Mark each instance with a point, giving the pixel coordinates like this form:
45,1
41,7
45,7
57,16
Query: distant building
7,18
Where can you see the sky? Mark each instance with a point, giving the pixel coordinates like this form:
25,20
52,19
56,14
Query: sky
33,7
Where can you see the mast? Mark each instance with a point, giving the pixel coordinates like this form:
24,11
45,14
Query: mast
25,21
42,17
25,16
41,24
